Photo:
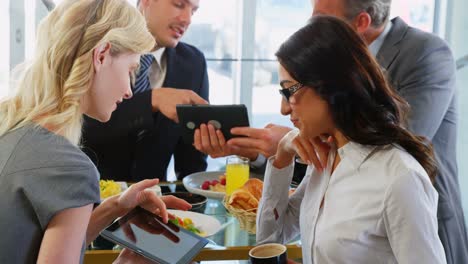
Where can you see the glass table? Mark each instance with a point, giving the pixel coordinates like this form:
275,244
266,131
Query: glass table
230,243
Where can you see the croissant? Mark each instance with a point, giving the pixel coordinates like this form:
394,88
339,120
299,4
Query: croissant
255,187
242,199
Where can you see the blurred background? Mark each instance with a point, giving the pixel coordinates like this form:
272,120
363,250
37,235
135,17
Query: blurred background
239,39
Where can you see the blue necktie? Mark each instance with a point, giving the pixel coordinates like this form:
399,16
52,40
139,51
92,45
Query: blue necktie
142,82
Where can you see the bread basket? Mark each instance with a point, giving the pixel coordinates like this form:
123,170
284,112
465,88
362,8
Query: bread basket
246,218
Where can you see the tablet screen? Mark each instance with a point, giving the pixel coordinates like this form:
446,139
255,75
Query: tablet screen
147,235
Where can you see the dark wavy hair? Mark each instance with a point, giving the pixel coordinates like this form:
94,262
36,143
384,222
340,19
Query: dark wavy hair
328,56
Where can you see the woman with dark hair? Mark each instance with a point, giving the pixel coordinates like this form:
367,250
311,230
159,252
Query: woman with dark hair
374,201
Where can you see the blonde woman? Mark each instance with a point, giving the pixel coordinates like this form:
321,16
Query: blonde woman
86,53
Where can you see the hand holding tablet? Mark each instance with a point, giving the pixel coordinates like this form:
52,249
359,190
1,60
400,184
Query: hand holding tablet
146,234
222,117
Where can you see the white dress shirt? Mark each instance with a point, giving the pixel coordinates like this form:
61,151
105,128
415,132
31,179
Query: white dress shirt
157,73
375,46
379,207
260,161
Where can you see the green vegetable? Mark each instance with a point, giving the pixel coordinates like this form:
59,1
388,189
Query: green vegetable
193,229
174,221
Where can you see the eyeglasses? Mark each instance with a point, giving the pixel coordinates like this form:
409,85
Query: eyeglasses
287,92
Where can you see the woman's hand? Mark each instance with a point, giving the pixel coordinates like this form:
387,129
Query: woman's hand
312,151
137,195
286,149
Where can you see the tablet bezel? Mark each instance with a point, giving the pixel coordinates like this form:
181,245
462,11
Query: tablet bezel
229,116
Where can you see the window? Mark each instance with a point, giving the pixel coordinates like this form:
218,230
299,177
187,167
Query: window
458,32
4,47
215,31
270,31
417,13
462,145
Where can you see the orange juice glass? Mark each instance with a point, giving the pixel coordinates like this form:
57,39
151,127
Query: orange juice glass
237,173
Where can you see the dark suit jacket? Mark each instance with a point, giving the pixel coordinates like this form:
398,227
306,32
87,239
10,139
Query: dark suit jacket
421,68
137,143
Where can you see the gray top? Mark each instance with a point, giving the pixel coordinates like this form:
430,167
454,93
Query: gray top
41,174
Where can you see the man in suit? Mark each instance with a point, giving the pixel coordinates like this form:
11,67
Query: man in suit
421,68
143,134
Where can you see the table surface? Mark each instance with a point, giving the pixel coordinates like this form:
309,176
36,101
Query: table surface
230,243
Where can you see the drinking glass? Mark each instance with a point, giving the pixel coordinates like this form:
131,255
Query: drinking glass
237,173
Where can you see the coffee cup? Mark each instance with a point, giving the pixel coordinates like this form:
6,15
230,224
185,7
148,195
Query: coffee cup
268,254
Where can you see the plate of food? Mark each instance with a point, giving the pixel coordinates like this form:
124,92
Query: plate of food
210,184
200,224
110,188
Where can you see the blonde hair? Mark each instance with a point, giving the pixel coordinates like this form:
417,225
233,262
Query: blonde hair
51,86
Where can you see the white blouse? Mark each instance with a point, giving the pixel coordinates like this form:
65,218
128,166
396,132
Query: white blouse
379,207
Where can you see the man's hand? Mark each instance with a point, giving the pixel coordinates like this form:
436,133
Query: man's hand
259,140
165,100
212,142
